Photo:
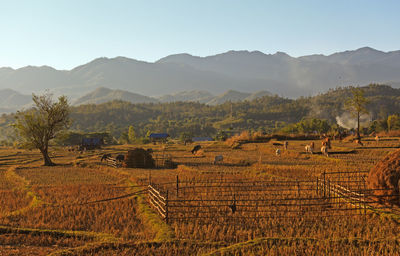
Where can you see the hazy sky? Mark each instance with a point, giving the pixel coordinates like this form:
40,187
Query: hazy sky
64,34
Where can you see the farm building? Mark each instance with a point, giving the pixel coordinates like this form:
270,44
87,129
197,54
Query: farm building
91,143
158,137
196,139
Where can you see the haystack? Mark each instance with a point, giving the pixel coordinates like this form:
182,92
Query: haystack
384,178
138,158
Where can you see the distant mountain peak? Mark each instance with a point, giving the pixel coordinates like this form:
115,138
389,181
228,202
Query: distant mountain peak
106,60
282,54
239,70
102,89
367,49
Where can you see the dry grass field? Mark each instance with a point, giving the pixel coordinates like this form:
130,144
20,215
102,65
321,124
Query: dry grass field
83,207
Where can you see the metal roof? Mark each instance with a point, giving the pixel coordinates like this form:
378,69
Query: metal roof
159,135
202,139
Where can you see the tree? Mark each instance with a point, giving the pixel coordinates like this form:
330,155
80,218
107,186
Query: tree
131,134
124,138
393,122
185,137
357,106
38,126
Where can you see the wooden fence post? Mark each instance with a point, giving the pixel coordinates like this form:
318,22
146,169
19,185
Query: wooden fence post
150,176
324,186
365,203
329,190
177,186
166,208
148,193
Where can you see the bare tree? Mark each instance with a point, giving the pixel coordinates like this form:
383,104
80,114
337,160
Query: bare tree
37,126
357,106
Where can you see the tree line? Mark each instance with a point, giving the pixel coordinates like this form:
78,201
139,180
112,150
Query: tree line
126,122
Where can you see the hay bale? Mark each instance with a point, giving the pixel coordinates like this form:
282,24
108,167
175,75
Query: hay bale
138,158
385,177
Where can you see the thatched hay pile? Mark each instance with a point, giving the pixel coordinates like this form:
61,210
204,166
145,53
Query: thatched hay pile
138,158
385,177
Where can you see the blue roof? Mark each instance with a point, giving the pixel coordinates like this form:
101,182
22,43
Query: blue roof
202,139
159,135
91,141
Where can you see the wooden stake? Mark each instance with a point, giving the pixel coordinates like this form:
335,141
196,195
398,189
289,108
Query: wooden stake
177,186
166,208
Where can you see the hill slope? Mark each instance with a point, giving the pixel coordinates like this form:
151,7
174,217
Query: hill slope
102,95
11,100
188,96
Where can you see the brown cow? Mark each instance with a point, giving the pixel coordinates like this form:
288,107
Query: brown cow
359,142
327,142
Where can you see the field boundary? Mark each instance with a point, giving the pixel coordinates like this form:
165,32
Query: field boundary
334,196
289,240
22,184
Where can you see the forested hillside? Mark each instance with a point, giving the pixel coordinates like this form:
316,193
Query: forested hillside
269,113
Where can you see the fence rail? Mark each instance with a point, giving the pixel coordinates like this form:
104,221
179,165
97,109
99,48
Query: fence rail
112,162
158,202
250,199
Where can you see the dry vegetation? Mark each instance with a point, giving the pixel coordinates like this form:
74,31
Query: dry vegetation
82,207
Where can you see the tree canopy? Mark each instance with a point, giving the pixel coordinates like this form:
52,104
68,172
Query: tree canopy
357,105
42,123
266,114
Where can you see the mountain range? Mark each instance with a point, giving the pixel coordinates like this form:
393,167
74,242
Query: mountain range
11,101
181,75
102,95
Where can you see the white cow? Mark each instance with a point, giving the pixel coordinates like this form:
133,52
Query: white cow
278,152
309,149
218,159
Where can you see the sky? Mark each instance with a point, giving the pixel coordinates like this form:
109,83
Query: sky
68,33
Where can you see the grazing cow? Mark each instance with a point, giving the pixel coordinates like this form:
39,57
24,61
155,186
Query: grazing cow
120,158
285,145
309,149
278,152
326,142
233,207
324,150
218,159
195,149
104,157
359,142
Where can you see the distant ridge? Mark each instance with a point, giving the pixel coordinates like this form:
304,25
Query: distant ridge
243,71
185,96
102,95
11,100
231,95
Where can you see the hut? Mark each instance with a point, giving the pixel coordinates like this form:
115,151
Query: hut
91,143
158,137
384,179
138,158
